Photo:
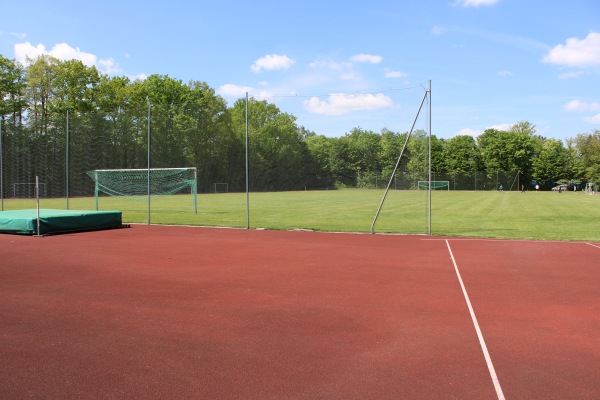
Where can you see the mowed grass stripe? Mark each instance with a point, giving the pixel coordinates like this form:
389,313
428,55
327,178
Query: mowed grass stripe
490,214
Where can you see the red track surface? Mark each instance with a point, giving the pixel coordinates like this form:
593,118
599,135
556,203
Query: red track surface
174,312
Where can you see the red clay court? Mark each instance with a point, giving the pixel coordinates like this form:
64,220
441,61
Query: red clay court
158,312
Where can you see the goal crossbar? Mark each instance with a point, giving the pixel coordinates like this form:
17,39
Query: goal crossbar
146,169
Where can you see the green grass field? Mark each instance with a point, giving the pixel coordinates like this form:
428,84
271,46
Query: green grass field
531,215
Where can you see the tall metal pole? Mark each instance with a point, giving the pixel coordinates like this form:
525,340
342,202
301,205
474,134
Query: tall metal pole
149,106
247,181
37,204
195,190
1,169
67,164
96,188
387,189
429,129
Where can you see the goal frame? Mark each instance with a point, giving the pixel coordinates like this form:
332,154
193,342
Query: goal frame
217,185
424,185
193,186
591,187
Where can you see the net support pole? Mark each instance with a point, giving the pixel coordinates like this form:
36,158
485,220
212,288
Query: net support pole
67,163
1,169
429,129
149,109
37,203
195,190
96,188
247,180
387,189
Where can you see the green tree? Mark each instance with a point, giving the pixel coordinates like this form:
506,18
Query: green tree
417,156
339,163
209,142
586,151
461,154
551,163
74,86
462,160
124,122
524,127
276,150
391,146
40,90
505,151
363,152
320,149
12,85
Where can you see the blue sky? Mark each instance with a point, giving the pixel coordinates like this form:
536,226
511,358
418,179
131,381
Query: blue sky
337,65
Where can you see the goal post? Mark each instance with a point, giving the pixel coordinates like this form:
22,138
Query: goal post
221,187
143,182
435,185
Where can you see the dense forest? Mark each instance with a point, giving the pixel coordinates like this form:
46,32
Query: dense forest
60,119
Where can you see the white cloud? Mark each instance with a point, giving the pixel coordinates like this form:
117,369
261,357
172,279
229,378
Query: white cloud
366,58
234,90
18,35
349,76
475,3
469,132
581,106
576,52
342,70
25,50
272,62
500,127
584,107
139,77
504,73
64,52
340,104
109,66
438,30
570,75
334,65
475,133
595,119
264,95
394,74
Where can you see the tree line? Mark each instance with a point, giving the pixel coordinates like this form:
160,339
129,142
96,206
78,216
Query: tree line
55,113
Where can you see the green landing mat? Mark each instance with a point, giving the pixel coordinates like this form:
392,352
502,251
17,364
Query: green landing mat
57,221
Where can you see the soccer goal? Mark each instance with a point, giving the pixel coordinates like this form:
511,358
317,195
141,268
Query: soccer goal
221,187
435,185
590,188
141,183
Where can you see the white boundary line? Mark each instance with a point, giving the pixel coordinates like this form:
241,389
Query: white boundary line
458,239
594,245
486,354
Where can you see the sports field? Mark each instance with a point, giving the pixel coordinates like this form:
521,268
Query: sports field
490,214
163,312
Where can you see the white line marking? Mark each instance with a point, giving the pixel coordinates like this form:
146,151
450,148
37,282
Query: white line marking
459,239
486,354
593,245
